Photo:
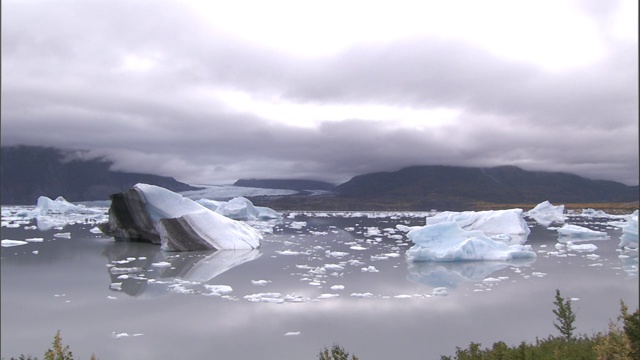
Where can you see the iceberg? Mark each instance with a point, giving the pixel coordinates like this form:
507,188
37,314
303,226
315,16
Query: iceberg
61,206
575,231
545,213
506,225
629,236
154,214
240,208
447,241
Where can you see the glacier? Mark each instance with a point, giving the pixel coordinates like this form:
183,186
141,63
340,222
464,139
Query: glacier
154,214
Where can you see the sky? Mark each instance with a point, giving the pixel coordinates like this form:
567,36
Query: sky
209,92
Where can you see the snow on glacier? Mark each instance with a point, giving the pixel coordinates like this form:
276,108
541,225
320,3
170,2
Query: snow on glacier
447,241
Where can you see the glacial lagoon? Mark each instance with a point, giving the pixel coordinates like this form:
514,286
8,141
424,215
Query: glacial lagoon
318,279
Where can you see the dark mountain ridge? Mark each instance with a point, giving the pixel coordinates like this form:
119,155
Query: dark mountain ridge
449,186
27,172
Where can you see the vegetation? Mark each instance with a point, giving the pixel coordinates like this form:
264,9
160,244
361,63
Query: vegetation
621,342
58,352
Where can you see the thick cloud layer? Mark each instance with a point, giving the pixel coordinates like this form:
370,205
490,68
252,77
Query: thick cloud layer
158,88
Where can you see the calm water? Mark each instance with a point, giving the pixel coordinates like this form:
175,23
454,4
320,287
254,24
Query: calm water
304,289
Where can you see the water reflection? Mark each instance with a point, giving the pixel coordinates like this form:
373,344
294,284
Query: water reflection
135,267
452,274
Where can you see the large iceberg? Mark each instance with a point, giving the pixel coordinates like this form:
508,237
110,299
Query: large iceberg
157,215
498,224
447,241
629,236
545,213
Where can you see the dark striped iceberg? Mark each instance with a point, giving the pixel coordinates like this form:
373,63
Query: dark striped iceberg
153,214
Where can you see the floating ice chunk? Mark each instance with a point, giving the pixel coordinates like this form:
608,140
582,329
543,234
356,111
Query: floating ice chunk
333,267
62,206
9,243
576,231
288,252
240,208
337,287
95,230
328,296
629,236
358,247
337,254
161,264
260,282
371,269
403,296
65,235
366,295
490,222
116,286
440,291
298,224
545,213
446,241
34,240
219,289
581,247
292,333
594,213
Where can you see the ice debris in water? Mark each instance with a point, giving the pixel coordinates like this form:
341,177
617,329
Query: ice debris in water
9,243
629,236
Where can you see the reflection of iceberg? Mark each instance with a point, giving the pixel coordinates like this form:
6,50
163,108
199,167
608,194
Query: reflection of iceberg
451,274
138,262
545,213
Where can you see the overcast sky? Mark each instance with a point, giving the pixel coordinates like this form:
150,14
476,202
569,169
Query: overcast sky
212,91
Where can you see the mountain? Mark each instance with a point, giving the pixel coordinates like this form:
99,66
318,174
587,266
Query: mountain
27,172
454,187
289,184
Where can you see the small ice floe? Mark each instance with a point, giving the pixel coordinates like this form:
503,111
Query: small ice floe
403,296
9,243
35,252
112,298
440,291
333,267
328,296
219,289
260,282
65,235
354,262
95,230
298,224
337,254
124,334
337,287
292,333
116,286
592,256
265,297
575,231
161,264
288,252
538,274
371,269
35,240
581,247
366,295
358,248
491,280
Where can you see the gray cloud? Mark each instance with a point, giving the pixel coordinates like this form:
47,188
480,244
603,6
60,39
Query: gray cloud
65,84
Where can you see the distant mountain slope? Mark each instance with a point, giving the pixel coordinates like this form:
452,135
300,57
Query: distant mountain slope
289,184
27,172
449,186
